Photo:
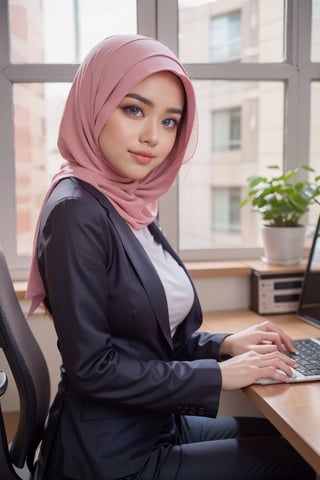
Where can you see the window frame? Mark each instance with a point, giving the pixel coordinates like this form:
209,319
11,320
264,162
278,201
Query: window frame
297,71
159,19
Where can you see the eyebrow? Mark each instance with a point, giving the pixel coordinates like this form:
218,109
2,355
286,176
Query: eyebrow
148,102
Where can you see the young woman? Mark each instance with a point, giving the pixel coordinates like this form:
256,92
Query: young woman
140,386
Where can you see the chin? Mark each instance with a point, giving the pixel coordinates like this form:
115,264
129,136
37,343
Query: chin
140,175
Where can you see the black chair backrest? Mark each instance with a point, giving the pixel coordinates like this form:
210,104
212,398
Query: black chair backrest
29,370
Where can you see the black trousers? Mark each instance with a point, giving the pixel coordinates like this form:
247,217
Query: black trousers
224,448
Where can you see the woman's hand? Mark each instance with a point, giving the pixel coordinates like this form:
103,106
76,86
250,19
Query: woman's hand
249,367
264,337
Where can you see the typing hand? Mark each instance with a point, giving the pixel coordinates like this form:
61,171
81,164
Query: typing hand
249,367
264,337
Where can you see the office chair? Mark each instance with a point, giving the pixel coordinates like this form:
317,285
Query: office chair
30,373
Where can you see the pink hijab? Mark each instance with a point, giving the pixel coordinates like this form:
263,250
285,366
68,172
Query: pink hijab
106,75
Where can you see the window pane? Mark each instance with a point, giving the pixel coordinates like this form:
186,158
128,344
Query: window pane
37,111
225,209
226,129
246,119
315,34
225,30
63,31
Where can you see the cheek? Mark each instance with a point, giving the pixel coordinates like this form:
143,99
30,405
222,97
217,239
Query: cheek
123,133
110,137
169,142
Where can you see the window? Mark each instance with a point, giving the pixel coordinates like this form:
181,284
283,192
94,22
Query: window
255,69
226,38
235,143
226,130
225,211
39,33
37,110
271,82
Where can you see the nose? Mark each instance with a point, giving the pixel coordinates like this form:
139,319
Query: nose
150,132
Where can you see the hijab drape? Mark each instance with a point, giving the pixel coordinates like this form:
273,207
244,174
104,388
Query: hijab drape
106,75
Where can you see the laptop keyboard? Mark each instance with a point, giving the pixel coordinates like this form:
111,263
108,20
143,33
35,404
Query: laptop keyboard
307,356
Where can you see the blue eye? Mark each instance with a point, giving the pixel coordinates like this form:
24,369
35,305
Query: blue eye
133,110
170,123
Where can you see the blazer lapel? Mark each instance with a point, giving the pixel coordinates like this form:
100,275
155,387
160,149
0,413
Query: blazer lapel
140,261
146,272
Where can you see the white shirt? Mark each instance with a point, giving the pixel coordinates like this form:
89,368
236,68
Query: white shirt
176,284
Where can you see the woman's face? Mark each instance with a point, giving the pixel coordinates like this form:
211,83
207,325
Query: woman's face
141,132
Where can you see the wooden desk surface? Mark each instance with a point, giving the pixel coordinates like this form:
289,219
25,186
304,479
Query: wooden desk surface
293,409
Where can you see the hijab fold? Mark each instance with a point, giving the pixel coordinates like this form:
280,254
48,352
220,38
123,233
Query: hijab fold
109,71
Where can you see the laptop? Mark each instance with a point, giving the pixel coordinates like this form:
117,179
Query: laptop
308,349
309,300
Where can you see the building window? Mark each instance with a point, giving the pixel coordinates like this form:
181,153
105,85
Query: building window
225,209
225,36
226,130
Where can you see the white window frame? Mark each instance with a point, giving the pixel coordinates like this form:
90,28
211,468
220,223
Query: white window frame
296,71
159,19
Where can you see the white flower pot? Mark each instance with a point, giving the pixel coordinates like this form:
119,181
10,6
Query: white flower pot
283,245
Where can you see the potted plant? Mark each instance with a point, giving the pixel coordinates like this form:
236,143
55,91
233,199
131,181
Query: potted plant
282,200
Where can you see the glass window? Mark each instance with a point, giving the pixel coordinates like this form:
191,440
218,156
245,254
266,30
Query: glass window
226,38
214,175
37,112
226,130
63,31
252,107
225,212
224,31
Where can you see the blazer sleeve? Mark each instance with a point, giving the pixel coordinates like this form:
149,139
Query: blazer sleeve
75,256
202,345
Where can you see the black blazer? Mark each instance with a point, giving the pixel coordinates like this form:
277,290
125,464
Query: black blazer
124,374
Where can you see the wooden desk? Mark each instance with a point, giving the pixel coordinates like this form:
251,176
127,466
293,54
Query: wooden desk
293,409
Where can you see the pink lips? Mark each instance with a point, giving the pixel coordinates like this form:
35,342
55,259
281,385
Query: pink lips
142,157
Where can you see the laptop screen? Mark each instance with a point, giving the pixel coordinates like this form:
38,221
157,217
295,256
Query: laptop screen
309,302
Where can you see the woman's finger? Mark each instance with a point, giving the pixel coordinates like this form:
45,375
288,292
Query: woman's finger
263,348
284,338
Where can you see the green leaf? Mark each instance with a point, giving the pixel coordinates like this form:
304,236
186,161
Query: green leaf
280,198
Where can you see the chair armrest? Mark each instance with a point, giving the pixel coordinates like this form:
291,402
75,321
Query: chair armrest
7,470
3,383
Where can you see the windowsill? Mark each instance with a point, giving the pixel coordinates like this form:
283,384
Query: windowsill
212,269
207,269
239,268
20,289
